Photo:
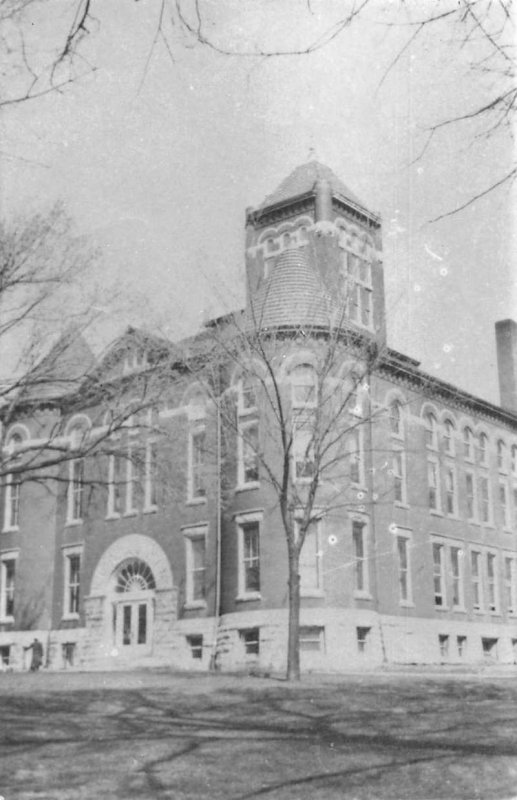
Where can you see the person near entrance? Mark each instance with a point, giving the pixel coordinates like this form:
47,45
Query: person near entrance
37,655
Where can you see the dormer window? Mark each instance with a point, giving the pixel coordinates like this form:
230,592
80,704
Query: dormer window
135,359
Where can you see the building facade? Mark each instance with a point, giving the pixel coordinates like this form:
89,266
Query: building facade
157,539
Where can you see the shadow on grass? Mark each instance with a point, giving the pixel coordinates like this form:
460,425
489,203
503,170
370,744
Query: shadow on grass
192,745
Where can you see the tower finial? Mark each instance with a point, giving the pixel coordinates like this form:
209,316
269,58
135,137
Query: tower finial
313,156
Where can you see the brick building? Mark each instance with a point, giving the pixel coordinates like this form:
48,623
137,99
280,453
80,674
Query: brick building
163,544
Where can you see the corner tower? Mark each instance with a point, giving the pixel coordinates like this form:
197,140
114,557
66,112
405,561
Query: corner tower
314,255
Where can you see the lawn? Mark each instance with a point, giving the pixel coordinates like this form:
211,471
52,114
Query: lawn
159,735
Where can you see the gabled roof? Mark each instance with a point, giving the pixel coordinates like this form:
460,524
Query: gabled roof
302,180
62,370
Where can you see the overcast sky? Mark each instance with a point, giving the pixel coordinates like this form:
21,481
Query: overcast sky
158,159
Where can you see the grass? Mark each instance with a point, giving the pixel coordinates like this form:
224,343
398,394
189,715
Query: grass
158,735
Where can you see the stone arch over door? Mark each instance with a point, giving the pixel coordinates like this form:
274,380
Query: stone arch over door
110,610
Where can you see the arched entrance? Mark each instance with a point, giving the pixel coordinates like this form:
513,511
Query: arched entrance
132,606
133,593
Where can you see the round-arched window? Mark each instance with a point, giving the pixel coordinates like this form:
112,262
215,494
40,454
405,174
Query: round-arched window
134,576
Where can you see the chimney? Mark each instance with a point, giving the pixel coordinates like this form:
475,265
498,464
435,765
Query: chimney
506,340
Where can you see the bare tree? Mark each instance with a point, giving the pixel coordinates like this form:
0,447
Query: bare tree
49,372
301,432
481,28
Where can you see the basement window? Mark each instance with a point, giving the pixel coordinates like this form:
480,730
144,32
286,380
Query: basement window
68,654
489,648
363,636
195,642
443,640
251,641
5,655
312,639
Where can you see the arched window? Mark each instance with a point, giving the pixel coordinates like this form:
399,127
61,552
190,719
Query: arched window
286,239
448,437
431,431
304,386
513,459
483,448
468,444
501,456
134,576
396,426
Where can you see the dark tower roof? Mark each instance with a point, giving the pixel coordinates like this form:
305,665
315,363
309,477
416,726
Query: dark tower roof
292,295
302,181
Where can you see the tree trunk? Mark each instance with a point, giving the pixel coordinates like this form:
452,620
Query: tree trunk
293,640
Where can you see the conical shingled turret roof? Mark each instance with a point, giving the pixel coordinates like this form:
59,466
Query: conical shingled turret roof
302,180
293,295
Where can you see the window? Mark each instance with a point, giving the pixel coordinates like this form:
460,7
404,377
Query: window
135,359
483,449
358,289
396,426
363,636
247,444
195,643
150,476
247,401
484,499
475,574
513,459
310,560
470,486
501,456
72,582
312,638
68,654
404,575
491,574
354,390
355,455
251,640
249,557
133,484
399,477
515,505
360,556
5,655
195,543
503,502
12,503
115,482
451,500
461,643
431,431
489,648
197,490
303,451
468,444
448,437
438,575
443,641
304,387
76,490
433,483
456,574
510,584
7,586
